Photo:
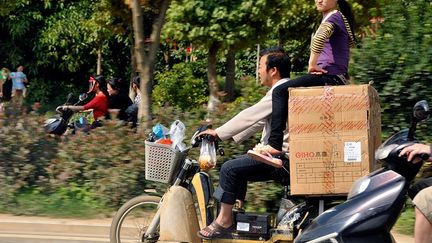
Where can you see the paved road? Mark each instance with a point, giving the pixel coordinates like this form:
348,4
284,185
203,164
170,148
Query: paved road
24,229
20,229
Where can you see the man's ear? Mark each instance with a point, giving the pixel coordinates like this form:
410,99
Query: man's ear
273,71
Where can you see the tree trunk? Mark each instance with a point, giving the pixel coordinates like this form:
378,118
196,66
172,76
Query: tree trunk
134,70
145,63
230,74
212,79
99,61
147,75
137,21
257,64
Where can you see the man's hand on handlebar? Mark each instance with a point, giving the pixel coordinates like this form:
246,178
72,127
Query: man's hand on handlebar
210,132
61,108
416,149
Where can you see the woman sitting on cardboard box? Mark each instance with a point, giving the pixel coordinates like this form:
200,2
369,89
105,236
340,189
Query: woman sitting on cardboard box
328,65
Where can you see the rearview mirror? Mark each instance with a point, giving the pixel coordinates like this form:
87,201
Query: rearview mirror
421,110
69,97
82,96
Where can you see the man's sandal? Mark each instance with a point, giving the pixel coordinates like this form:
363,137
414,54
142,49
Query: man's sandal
216,230
265,158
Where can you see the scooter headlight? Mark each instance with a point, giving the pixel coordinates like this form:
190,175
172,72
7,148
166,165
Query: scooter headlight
359,186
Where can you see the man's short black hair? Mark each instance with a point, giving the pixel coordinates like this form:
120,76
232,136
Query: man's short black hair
279,59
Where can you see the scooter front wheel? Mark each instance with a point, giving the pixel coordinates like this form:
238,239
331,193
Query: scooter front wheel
131,221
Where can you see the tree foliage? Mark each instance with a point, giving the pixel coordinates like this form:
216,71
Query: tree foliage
58,42
181,87
227,22
221,24
397,60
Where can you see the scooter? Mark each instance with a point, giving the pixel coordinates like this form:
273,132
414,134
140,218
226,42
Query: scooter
187,205
371,210
64,120
375,201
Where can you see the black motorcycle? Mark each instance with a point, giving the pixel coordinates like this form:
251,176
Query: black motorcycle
64,119
375,201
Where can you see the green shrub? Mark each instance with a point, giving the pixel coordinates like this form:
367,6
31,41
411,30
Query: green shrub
180,87
109,161
25,150
398,60
42,174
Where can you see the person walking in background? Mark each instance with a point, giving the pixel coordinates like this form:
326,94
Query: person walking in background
119,101
4,75
19,79
132,110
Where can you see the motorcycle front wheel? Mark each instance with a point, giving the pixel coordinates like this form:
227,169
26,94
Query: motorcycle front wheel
132,220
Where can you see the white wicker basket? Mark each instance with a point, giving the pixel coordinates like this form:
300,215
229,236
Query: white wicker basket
161,162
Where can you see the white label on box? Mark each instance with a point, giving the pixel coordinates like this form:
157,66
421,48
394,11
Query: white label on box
241,226
352,152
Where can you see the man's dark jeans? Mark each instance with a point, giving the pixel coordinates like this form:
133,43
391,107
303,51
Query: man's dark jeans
235,174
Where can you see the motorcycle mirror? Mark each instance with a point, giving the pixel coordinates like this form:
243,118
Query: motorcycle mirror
421,110
69,96
82,96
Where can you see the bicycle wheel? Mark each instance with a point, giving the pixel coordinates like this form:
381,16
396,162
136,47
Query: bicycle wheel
132,219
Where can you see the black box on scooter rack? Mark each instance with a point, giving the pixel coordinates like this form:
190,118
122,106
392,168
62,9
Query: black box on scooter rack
334,132
254,226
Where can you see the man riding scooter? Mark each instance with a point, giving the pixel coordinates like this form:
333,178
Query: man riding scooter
274,70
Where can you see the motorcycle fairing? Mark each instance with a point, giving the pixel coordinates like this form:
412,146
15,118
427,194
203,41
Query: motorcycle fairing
360,215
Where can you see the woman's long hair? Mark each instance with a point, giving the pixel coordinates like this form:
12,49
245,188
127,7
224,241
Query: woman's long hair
346,10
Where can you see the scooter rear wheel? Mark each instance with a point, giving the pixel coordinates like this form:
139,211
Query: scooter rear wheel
132,219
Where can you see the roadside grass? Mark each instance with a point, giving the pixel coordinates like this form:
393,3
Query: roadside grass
54,205
405,223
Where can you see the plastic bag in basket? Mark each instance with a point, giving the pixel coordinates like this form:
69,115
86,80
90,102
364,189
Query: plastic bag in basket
160,131
177,134
207,158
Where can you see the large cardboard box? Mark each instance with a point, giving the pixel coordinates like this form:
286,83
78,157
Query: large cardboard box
334,131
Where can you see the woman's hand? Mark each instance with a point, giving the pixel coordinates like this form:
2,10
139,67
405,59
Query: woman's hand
313,67
317,70
414,150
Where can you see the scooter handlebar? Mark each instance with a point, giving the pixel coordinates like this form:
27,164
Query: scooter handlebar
423,156
59,109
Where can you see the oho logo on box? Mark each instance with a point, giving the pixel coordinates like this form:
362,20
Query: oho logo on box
311,155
